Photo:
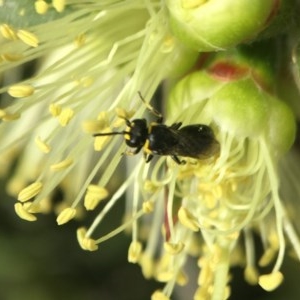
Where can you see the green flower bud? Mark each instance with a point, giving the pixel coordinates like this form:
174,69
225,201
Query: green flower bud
281,125
216,25
240,108
236,105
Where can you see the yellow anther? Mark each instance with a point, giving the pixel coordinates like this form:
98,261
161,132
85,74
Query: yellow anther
103,116
55,109
89,244
251,275
148,207
21,90
23,213
41,7
167,45
187,4
80,40
134,252
93,126
42,145
159,295
8,32
202,293
59,5
270,282
172,248
182,279
147,264
149,186
165,276
66,215
11,57
187,219
10,117
32,207
2,113
28,38
6,116
101,141
65,116
81,233
267,257
30,191
85,242
86,81
94,195
121,113
205,275
62,165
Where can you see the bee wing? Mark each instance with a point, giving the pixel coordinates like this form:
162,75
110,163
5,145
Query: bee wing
197,141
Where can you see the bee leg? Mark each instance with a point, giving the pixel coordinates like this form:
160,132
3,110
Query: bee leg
177,160
152,109
148,157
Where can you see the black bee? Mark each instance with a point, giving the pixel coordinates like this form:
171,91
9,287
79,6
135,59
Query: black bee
195,141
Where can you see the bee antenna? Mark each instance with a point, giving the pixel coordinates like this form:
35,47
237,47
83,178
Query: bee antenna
111,133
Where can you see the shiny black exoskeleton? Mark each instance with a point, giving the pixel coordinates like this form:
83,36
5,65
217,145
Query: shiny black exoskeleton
194,141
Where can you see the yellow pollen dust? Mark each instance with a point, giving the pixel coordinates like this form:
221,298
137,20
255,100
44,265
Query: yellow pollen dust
187,219
28,38
55,109
62,165
270,282
30,191
185,4
66,215
42,145
134,252
159,295
23,213
21,90
85,242
94,195
173,248
41,7
59,5
8,32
